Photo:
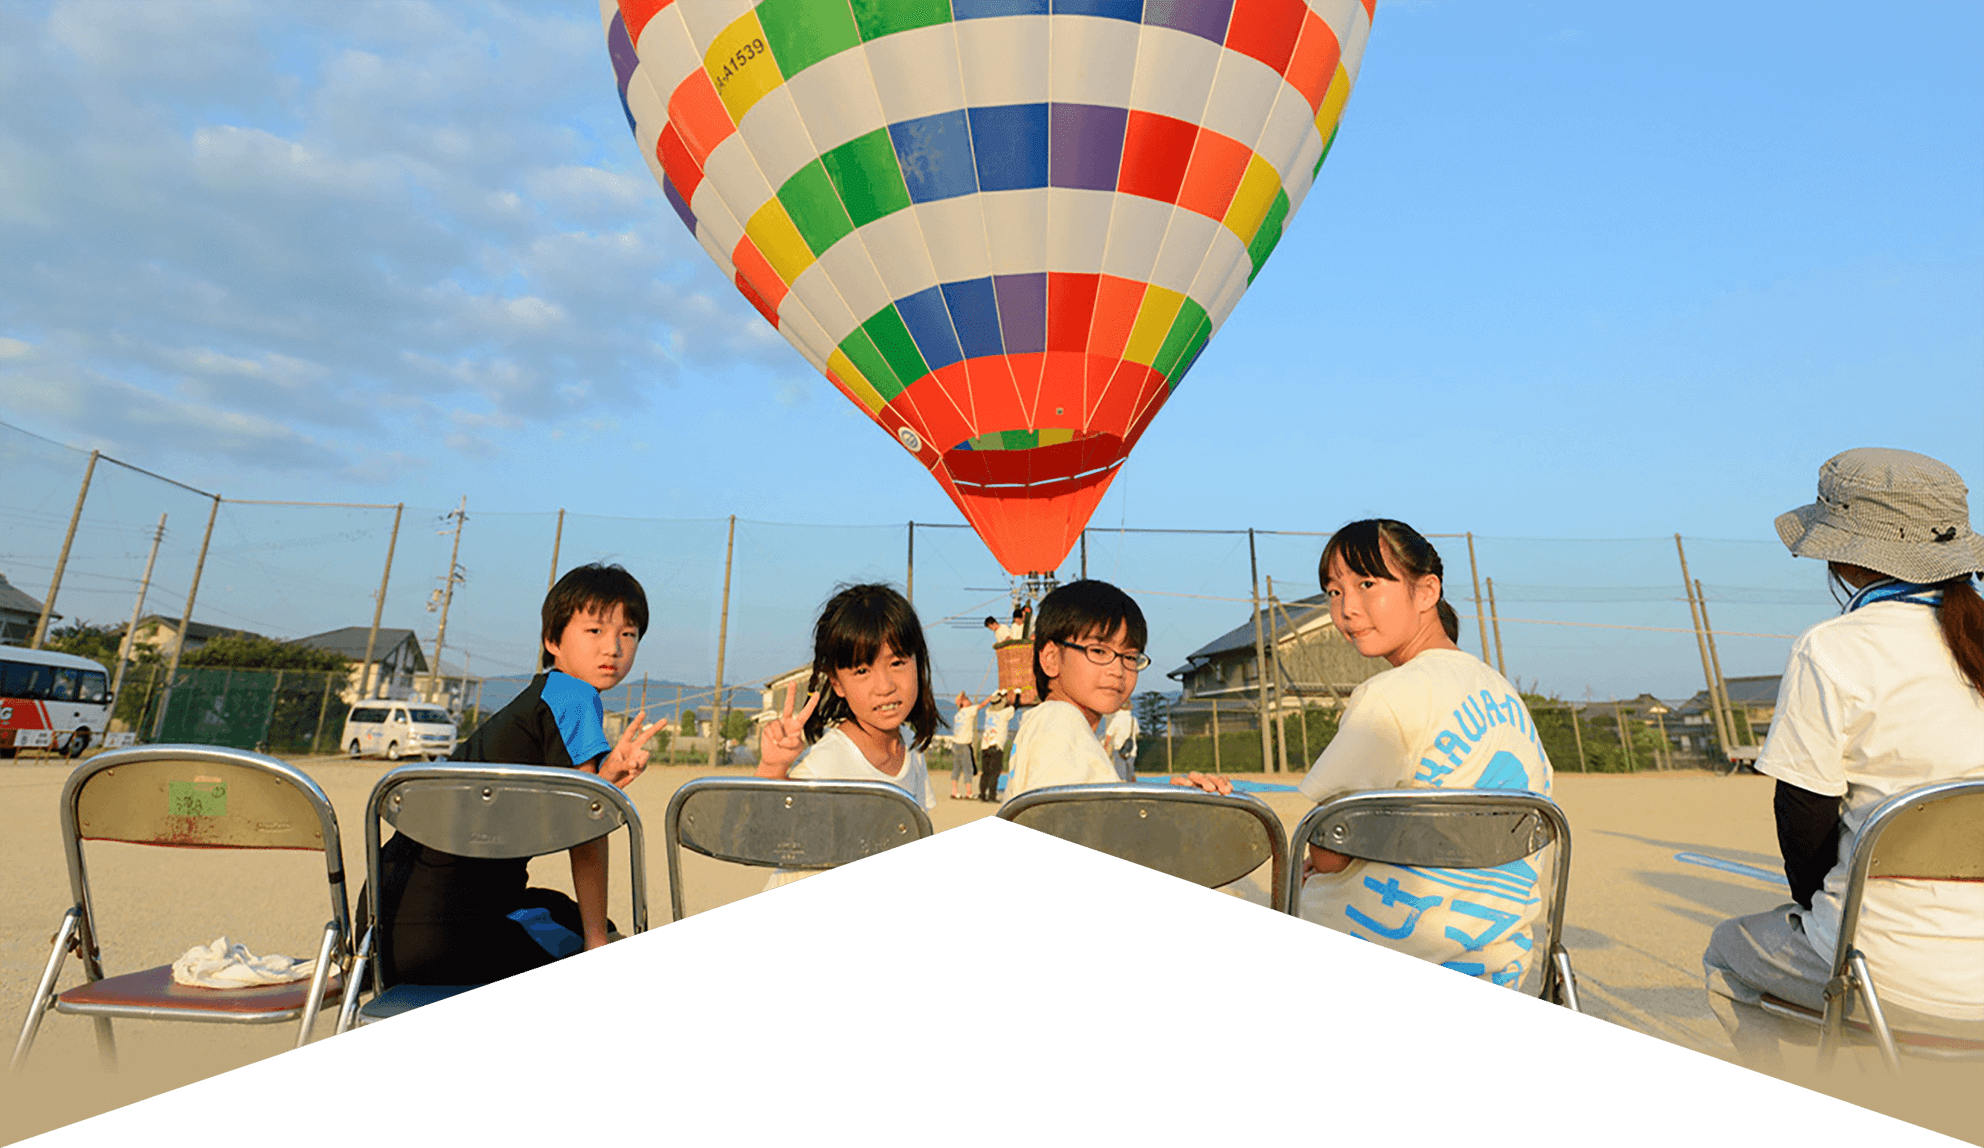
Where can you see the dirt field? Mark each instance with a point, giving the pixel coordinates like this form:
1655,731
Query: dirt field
1637,922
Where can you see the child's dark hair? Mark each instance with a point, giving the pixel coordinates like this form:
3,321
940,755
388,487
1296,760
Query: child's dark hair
596,587
1363,545
1084,609
854,625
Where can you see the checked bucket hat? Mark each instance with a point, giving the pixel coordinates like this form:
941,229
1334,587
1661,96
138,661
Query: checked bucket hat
1900,513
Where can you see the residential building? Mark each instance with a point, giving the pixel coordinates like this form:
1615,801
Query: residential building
1753,698
396,659
19,613
159,631
1309,664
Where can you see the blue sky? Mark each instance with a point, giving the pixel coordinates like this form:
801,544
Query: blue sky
1592,272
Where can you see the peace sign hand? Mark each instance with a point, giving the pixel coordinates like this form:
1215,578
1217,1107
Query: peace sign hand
780,741
629,758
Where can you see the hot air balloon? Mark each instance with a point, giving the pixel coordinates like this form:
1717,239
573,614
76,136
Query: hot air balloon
1004,228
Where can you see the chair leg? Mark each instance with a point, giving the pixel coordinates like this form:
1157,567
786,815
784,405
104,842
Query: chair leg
317,983
106,1044
354,983
44,992
1876,1020
1567,981
1832,1026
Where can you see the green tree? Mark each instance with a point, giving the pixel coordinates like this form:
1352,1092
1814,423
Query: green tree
689,723
1149,708
242,652
736,725
97,643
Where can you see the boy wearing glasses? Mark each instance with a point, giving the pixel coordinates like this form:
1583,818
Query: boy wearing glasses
1088,646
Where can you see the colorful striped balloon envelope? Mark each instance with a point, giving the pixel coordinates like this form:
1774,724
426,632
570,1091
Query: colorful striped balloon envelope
1004,228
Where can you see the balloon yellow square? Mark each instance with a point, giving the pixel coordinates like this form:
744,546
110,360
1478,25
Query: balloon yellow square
741,66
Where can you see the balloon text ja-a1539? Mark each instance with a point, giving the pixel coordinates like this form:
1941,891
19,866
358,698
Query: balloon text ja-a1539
1004,228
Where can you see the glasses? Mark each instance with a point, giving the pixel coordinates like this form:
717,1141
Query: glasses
1103,655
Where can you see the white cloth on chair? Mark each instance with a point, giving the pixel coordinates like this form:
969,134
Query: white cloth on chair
231,966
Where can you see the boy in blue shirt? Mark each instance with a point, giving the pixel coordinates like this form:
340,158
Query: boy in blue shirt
465,920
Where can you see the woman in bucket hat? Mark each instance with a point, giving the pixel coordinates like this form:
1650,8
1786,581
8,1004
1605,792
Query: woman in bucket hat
1886,697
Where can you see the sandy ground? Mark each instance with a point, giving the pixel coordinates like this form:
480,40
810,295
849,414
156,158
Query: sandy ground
1637,922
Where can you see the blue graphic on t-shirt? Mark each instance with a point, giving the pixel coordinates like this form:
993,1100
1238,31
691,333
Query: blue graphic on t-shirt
1390,894
1498,923
550,936
1504,771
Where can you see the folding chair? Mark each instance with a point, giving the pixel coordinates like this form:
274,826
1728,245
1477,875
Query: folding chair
1452,829
198,797
483,811
1208,839
786,824
1932,833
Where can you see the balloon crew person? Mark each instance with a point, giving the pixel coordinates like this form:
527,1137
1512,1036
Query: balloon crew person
870,683
1088,647
470,921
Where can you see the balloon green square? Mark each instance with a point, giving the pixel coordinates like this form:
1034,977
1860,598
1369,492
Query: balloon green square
892,339
867,176
881,17
858,348
1269,233
1178,341
804,32
810,200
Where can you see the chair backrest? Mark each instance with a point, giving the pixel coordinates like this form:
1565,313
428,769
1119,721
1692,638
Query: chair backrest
1933,832
203,797
1206,838
1443,829
787,824
504,811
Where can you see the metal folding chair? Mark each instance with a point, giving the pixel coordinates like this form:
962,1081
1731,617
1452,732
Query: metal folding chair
484,811
199,797
786,824
1932,833
1205,838
1452,829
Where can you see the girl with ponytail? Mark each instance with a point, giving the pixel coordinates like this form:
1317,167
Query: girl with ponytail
1884,698
1440,718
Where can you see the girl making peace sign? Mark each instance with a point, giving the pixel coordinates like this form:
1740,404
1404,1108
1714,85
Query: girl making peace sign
871,676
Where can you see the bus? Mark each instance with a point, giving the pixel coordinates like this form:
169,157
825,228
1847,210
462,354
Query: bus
51,701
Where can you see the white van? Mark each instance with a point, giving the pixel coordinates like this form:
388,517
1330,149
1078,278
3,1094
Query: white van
396,730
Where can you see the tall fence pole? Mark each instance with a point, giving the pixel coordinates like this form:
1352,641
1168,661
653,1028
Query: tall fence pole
1260,659
1625,739
1495,618
1577,732
1738,735
137,610
1479,614
1215,737
722,640
1085,553
379,606
185,623
557,541
1281,683
436,684
1701,645
323,707
909,574
62,559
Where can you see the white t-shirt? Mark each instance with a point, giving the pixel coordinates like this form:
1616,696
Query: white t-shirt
1443,720
992,727
1055,745
964,727
1121,732
835,757
1872,704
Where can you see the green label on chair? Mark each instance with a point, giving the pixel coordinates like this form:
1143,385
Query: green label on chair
196,798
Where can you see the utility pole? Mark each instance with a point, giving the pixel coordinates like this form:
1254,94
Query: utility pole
186,623
1578,733
722,640
1281,683
1701,644
909,587
1260,660
1495,617
557,540
1625,739
1737,733
62,560
435,684
365,685
1084,553
1479,617
137,611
